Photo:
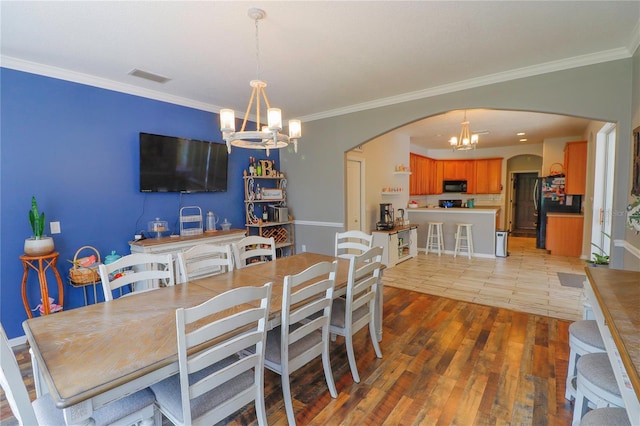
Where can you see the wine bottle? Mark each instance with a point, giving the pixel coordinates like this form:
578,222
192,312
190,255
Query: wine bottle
265,216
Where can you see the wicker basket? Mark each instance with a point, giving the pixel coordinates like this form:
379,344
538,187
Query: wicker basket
82,275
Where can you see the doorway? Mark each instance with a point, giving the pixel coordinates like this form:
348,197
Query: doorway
524,219
603,190
354,194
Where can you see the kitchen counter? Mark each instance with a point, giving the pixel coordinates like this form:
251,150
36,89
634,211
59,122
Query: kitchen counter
615,295
476,209
557,214
483,219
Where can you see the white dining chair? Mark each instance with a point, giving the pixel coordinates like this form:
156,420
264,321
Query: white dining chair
215,382
204,260
298,340
350,243
253,250
133,409
356,310
136,270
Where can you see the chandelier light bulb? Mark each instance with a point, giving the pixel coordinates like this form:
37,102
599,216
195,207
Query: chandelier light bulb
227,120
274,118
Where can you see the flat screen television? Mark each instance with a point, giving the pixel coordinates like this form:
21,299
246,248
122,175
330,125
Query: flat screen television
173,164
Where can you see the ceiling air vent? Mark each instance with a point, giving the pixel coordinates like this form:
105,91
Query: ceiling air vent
149,76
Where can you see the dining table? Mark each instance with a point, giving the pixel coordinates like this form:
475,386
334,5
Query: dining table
93,355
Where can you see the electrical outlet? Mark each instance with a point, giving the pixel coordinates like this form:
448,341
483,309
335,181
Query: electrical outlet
304,248
55,227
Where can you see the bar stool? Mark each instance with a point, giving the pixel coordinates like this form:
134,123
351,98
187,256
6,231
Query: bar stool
611,416
596,384
584,338
464,240
434,238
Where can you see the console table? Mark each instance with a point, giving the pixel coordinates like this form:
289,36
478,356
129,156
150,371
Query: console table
175,245
615,297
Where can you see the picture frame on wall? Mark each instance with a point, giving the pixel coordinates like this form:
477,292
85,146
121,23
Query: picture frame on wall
635,184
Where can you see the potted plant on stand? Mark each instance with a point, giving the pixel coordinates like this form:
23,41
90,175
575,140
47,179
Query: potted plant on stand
39,244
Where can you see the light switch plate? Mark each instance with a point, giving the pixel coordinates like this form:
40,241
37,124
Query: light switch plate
55,227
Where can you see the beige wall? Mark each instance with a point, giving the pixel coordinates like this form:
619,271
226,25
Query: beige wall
600,91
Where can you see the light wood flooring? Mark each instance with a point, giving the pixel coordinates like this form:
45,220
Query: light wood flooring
445,361
526,280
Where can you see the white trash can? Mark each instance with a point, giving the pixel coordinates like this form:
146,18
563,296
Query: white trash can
501,243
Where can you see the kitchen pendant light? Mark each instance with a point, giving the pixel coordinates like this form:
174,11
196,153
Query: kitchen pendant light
466,141
265,137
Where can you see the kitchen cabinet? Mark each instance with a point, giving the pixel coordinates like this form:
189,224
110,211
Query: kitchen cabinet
488,176
564,234
398,244
426,177
458,169
575,167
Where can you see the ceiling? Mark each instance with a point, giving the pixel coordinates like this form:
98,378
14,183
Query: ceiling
323,59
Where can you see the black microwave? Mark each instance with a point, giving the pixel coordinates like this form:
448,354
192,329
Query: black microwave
454,186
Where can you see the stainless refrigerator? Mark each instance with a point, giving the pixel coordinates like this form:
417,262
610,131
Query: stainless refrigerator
549,196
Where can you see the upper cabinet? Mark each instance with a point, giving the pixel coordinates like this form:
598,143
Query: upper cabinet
483,176
575,167
458,169
426,176
488,178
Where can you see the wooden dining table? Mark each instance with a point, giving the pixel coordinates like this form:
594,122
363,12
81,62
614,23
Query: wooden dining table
96,354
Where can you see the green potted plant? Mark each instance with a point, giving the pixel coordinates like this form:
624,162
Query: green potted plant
38,244
599,259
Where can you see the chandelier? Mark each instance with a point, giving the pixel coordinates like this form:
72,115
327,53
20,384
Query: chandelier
263,137
466,141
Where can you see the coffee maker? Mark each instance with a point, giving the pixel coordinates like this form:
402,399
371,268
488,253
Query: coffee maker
386,217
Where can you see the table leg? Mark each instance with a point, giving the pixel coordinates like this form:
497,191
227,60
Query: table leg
44,290
53,266
25,302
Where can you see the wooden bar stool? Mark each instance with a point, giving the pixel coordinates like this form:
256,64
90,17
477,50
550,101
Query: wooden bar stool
584,338
464,239
434,238
41,264
596,384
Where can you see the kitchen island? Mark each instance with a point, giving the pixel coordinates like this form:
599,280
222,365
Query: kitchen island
483,219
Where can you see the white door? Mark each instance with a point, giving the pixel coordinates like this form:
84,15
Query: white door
603,190
355,194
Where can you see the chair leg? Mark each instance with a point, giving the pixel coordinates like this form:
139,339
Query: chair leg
579,407
288,402
569,393
348,340
376,345
326,364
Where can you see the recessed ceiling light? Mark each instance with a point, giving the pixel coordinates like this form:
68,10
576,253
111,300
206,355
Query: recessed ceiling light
520,134
523,140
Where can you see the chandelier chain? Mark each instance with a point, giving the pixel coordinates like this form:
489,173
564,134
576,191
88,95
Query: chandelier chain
257,50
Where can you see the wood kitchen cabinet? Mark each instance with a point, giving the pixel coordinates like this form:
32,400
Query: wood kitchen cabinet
458,169
488,176
426,176
564,234
575,167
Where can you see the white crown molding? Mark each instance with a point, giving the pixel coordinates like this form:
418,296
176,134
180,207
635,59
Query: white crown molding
560,65
103,83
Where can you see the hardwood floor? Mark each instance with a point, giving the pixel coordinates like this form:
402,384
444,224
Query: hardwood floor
444,362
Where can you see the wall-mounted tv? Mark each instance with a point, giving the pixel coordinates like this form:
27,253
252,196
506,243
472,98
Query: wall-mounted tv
173,164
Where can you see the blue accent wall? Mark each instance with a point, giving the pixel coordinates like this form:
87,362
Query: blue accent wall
75,148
